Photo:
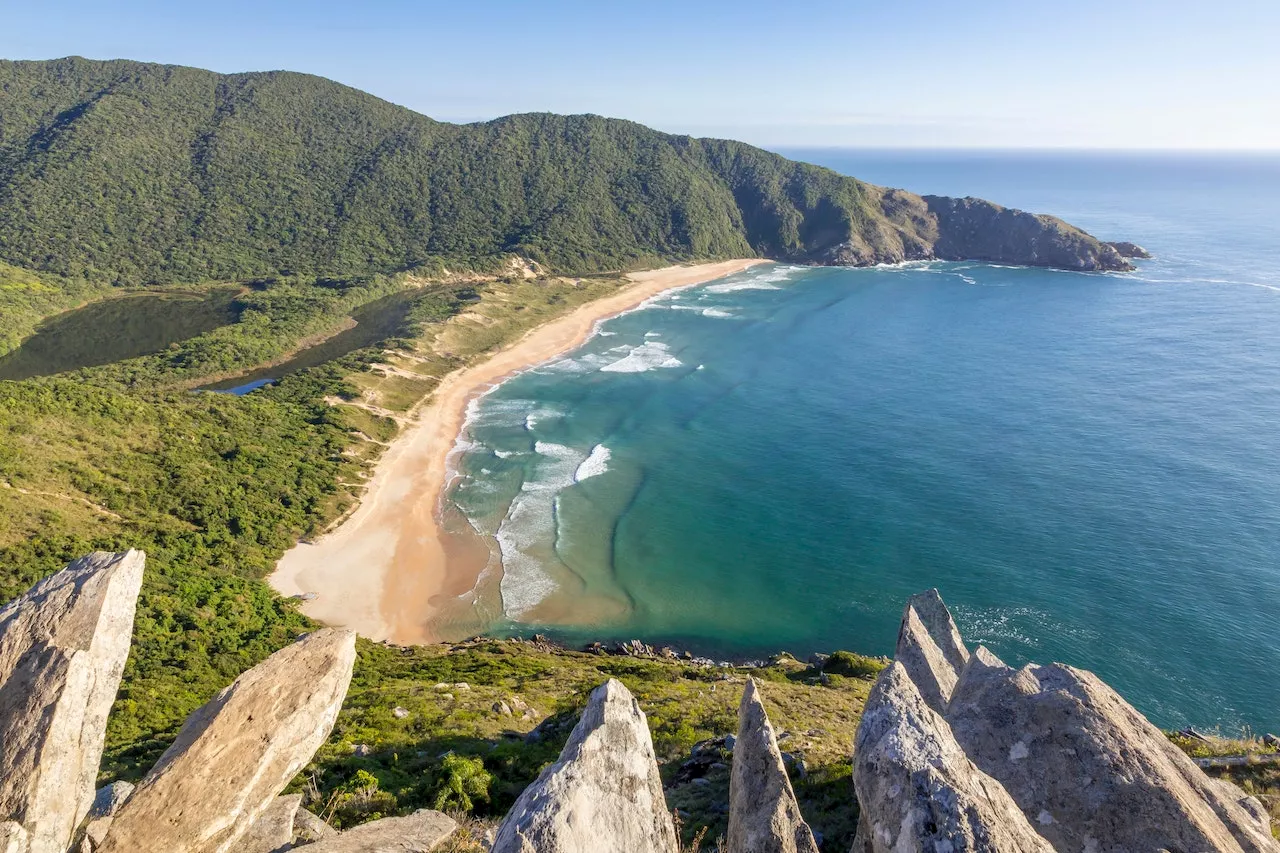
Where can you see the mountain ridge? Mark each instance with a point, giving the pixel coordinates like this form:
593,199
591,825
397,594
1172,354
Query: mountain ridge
146,173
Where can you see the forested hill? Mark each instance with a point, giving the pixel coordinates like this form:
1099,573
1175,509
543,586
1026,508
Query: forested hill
134,173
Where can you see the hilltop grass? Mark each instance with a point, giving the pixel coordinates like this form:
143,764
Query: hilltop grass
410,708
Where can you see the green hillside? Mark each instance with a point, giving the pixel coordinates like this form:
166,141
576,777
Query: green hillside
137,173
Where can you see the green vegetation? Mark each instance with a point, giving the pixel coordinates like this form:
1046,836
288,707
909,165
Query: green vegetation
1259,778
129,172
429,726
27,298
853,665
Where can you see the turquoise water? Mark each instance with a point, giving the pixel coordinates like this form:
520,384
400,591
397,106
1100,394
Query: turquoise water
1087,466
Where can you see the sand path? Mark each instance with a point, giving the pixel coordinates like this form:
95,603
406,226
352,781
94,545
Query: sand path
380,569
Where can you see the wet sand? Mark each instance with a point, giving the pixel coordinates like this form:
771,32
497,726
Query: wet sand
394,564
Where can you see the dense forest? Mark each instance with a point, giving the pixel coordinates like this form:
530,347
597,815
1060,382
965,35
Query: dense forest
127,172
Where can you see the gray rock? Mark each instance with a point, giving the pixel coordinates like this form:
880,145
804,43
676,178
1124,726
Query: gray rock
399,713
309,828
63,647
1087,768
108,800
763,814
272,832
930,647
918,790
234,755
418,833
1130,250
604,792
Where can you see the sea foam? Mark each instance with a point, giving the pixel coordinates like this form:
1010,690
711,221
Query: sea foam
648,356
594,465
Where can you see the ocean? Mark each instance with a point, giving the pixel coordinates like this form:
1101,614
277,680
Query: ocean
1087,466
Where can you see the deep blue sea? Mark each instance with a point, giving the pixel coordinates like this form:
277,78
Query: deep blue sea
1087,466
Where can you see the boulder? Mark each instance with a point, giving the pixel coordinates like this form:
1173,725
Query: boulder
1130,250
419,832
234,755
930,647
63,647
108,800
763,814
272,832
309,828
603,793
918,790
1087,768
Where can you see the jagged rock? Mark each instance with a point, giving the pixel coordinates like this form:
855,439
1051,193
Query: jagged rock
918,790
763,814
417,833
13,838
272,832
1087,768
108,800
604,792
1130,250
309,828
63,647
234,755
931,649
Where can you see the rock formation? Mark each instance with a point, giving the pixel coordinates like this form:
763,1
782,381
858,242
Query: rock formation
983,756
418,833
763,814
602,794
235,754
63,647
1130,250
272,832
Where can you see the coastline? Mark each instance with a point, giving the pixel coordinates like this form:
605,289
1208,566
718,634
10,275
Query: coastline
380,570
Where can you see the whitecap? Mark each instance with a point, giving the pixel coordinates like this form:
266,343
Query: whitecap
718,313
648,356
504,454
595,464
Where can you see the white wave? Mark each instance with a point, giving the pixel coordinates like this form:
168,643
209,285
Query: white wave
648,356
537,416
767,280
595,464
504,454
718,313
651,335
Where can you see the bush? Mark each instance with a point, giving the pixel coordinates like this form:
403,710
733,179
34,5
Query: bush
853,665
461,778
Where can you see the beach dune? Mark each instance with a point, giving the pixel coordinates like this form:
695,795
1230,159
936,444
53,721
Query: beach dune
388,568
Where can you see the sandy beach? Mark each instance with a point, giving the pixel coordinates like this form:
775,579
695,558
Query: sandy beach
382,569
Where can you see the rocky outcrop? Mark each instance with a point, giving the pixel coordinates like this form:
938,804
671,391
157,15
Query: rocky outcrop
1049,750
13,838
235,754
63,647
930,648
971,229
603,793
917,788
272,832
309,828
420,832
763,814
1087,767
1130,250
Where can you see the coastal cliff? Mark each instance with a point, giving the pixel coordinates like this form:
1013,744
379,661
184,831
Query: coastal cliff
954,750
209,176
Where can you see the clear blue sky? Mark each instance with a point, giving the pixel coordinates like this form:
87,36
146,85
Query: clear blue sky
945,73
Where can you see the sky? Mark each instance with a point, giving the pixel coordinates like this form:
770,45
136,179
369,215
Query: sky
1174,74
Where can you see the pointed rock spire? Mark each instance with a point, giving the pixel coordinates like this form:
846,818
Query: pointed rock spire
604,792
235,754
930,647
919,792
763,814
63,647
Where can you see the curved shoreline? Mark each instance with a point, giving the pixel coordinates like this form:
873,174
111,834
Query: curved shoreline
380,569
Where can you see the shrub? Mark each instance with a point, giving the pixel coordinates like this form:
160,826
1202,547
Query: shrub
853,665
